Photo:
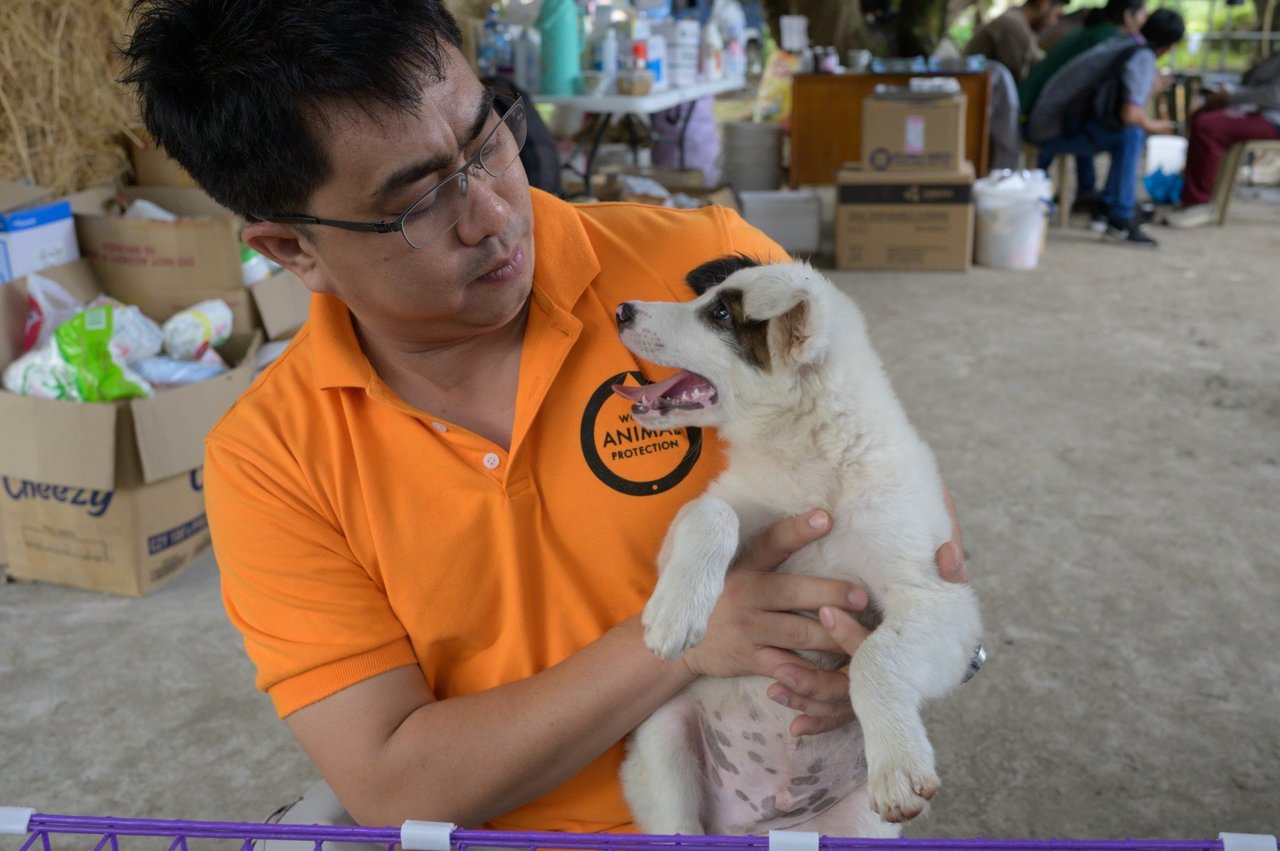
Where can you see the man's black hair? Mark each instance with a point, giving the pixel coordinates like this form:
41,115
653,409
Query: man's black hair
1115,9
233,89
1164,28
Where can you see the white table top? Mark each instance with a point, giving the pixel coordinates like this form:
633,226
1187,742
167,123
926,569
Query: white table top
640,104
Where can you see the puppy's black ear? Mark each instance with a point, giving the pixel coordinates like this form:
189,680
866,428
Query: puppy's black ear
709,274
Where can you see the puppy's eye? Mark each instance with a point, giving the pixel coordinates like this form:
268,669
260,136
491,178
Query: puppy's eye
720,313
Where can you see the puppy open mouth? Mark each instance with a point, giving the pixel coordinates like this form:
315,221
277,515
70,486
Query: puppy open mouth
685,391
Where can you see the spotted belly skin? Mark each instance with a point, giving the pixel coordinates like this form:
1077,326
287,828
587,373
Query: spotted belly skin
757,776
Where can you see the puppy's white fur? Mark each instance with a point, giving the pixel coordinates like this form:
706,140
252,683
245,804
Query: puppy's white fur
817,426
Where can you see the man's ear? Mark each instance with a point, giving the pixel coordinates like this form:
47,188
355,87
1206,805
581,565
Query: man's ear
289,248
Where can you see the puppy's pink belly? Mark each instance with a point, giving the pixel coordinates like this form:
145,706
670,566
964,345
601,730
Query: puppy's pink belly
759,778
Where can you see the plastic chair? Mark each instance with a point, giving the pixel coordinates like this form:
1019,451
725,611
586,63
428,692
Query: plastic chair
1229,172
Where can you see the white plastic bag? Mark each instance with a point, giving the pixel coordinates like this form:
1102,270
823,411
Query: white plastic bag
48,306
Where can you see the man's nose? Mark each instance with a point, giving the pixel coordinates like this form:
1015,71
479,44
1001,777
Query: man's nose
624,314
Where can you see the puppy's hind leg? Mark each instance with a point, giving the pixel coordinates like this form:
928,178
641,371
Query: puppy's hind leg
920,651
662,774
696,553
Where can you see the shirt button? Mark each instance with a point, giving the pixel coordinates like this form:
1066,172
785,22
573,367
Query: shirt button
491,461
441,427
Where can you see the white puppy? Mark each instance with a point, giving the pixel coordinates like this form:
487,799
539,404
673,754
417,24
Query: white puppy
779,361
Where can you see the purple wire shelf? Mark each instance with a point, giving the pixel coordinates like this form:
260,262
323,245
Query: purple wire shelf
43,831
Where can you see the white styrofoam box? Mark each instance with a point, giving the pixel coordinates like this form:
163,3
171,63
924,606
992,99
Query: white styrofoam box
791,218
35,238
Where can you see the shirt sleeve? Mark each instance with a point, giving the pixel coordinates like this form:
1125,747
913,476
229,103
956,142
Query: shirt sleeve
1139,74
313,620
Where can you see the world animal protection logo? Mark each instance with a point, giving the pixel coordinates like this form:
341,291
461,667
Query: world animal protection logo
627,456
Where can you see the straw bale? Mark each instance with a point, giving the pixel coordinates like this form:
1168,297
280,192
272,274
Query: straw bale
63,116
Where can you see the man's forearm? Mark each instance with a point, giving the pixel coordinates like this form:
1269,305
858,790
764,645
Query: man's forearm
470,759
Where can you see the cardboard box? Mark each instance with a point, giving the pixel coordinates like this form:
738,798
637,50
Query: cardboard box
34,232
921,220
913,133
791,218
153,167
106,496
283,303
721,196
164,267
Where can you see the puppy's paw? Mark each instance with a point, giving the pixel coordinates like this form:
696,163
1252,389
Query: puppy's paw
902,787
672,630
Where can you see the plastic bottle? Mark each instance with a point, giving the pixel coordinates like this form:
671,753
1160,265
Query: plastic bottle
605,59
655,47
487,45
712,53
528,54
561,46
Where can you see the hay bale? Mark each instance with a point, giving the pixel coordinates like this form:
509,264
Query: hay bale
63,116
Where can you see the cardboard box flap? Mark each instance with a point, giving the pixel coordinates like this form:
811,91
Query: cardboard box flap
284,304
80,439
15,196
170,427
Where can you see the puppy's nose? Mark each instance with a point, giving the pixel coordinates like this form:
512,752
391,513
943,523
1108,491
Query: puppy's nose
624,314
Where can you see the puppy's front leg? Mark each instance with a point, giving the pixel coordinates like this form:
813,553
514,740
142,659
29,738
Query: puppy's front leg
698,549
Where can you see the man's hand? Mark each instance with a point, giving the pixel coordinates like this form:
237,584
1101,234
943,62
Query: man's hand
754,627
1216,99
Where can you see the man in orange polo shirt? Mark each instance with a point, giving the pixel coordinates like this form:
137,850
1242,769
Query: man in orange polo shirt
435,523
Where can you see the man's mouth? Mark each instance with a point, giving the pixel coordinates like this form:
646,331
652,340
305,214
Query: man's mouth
685,391
504,269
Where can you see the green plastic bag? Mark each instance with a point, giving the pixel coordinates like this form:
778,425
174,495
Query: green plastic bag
85,344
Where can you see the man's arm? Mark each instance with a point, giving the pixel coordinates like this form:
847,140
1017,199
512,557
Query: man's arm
1133,114
391,751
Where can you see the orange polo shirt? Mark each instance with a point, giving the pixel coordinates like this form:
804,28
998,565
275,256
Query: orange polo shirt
356,534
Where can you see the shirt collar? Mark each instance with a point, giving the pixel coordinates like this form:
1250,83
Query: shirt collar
565,263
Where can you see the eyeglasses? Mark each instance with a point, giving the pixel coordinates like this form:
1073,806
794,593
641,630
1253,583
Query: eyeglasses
436,212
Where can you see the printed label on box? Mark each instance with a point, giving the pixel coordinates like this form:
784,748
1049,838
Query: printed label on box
913,138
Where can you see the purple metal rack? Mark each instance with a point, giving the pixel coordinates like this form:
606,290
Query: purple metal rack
42,829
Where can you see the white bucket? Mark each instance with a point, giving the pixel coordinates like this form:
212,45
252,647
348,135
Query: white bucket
752,155
1166,152
1012,217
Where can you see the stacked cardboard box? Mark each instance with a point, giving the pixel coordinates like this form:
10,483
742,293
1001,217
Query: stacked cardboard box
109,496
106,496
908,204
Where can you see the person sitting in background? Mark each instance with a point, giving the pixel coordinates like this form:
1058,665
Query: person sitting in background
1227,117
1011,38
1101,24
1097,102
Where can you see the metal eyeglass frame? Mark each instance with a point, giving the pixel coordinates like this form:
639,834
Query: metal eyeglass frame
396,225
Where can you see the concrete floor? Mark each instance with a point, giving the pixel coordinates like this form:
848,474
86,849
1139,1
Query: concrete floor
1110,426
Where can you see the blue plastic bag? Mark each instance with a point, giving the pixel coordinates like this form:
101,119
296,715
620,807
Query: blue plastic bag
1163,188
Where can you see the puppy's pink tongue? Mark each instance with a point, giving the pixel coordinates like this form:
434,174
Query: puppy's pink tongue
649,394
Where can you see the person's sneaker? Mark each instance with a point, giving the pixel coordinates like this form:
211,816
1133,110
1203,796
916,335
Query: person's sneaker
1098,219
1192,217
1129,233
